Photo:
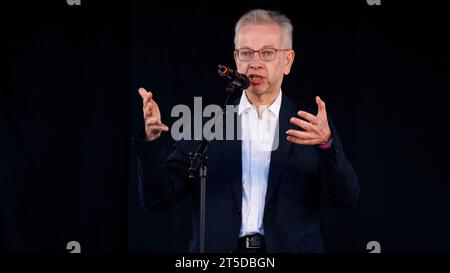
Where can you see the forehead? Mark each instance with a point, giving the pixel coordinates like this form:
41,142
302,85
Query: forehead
259,36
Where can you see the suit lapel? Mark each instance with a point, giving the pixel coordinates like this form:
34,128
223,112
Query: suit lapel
233,160
232,153
279,156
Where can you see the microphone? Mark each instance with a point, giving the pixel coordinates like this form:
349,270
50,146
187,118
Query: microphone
236,78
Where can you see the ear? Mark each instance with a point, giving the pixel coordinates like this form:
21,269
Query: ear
290,56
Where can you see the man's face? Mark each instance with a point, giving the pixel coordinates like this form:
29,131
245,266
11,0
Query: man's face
264,76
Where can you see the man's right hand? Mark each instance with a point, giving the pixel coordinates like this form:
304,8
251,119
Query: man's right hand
152,116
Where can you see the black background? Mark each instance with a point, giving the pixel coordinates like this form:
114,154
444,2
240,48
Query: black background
70,107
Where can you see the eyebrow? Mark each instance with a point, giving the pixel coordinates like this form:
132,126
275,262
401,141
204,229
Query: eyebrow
269,46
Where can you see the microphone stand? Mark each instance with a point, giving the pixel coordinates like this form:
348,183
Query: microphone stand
198,164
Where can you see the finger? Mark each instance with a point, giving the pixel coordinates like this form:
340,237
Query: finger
297,140
152,120
142,92
164,127
152,110
148,111
309,117
320,104
155,109
301,123
299,134
148,98
159,127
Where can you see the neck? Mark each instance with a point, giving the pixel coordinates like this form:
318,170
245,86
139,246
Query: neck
265,99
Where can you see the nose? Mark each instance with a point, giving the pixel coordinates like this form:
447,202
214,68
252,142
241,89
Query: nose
256,63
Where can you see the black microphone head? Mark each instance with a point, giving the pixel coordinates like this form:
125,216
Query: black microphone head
245,82
222,70
237,78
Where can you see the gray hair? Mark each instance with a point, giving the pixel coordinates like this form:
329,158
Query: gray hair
260,16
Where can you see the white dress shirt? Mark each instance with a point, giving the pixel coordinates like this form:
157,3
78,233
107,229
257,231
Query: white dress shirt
258,133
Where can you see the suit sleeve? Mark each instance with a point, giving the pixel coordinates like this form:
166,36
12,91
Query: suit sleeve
162,175
340,187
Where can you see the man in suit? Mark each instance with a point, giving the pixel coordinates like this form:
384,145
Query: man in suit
258,199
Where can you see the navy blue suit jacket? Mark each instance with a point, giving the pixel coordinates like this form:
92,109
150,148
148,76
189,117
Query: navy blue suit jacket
301,177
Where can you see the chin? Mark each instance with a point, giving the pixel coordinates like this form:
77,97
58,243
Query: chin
256,91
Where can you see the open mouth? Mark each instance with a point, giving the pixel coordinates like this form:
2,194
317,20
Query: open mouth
255,79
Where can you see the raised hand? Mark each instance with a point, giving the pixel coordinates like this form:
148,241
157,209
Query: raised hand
317,131
152,116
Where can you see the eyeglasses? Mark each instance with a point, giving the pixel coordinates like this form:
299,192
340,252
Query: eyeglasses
266,54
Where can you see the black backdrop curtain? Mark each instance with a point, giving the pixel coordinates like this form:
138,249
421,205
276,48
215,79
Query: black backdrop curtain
69,108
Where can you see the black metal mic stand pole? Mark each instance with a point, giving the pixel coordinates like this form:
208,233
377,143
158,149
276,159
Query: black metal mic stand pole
198,164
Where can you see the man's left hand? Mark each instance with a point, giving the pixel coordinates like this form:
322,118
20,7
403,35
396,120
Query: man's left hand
317,131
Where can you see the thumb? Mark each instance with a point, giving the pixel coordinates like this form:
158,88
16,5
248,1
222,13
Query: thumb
142,92
320,104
